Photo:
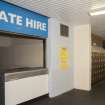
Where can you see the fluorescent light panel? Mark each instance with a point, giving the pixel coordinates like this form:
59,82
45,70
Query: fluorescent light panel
98,7
95,13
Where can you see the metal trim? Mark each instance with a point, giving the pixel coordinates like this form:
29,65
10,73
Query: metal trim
24,74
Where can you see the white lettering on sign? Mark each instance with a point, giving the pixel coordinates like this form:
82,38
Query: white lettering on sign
11,18
30,23
44,26
3,16
18,20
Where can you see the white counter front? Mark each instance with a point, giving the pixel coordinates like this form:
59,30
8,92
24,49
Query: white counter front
22,90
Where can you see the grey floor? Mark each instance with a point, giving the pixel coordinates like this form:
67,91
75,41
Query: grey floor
76,97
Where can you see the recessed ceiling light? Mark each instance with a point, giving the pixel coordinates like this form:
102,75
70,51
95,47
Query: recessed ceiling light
95,13
98,7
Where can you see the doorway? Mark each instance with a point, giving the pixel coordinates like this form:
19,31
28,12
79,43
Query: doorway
98,50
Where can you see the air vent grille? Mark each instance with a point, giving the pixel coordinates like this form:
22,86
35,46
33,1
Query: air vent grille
64,30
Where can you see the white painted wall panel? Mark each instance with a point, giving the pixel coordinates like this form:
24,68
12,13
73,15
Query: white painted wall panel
60,80
82,57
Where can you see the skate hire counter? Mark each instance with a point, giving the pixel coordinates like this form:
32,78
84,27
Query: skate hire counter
18,23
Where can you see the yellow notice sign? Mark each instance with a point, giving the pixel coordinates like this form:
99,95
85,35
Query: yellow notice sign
64,58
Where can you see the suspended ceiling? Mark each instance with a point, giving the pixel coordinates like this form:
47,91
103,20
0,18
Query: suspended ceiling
73,11
69,11
98,22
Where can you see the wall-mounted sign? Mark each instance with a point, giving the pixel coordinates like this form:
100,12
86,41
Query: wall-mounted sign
64,58
19,20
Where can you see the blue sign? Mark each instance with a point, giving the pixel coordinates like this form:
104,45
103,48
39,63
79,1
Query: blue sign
19,20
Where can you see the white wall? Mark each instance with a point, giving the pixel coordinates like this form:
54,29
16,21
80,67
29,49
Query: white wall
82,57
22,90
60,81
